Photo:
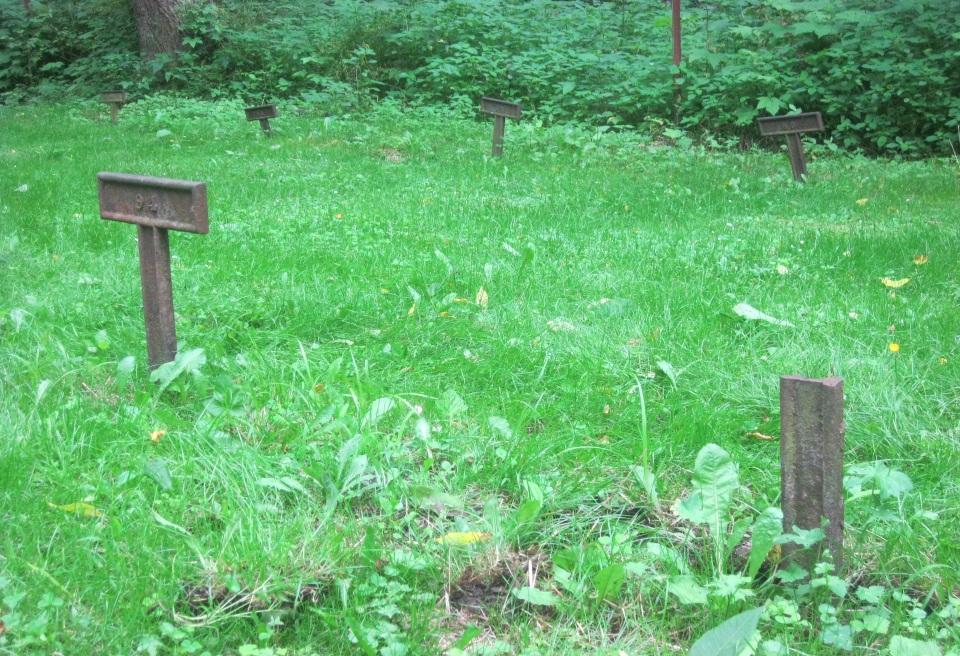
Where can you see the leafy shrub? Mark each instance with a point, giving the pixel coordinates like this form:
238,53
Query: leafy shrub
62,46
886,74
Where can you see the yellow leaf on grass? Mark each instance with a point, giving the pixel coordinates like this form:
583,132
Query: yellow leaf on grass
894,284
755,435
412,310
862,201
79,508
920,259
463,538
157,435
482,299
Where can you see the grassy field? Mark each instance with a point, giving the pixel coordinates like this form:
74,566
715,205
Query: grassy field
428,379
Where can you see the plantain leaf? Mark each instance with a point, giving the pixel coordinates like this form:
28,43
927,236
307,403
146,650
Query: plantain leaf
728,638
714,482
766,529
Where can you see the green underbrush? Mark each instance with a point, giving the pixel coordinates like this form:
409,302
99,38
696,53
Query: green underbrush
885,75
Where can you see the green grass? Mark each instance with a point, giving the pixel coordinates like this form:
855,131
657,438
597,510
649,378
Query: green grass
343,266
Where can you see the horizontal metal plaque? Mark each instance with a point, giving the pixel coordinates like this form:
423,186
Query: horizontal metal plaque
500,108
263,111
154,202
771,126
113,97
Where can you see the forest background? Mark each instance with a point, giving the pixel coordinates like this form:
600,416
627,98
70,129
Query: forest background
886,75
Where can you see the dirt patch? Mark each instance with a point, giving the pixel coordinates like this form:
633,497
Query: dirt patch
483,590
206,604
392,155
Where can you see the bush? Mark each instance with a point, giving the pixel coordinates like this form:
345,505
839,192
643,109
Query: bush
885,73
65,47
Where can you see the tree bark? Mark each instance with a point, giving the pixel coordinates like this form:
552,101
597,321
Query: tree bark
158,27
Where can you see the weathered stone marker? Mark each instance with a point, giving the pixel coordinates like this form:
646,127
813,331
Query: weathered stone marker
155,205
501,111
115,99
792,127
811,460
262,113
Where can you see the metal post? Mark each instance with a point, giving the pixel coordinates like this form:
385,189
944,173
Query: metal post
677,58
676,33
265,124
797,160
499,125
811,461
114,109
156,283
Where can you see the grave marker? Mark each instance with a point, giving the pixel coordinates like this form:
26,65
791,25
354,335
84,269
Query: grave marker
792,127
501,111
262,113
115,99
155,205
811,460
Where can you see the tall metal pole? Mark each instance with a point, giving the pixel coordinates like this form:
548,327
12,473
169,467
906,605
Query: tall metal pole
677,55
676,33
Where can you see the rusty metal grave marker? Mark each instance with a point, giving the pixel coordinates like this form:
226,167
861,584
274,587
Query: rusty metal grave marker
115,99
792,127
155,205
262,113
501,111
811,461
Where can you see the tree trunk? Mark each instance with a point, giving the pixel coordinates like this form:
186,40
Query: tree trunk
158,27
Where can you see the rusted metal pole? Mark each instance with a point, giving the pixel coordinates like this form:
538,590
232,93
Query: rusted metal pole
156,283
677,58
265,124
811,461
499,126
677,54
797,160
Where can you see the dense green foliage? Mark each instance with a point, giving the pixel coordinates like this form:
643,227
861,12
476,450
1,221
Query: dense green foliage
885,74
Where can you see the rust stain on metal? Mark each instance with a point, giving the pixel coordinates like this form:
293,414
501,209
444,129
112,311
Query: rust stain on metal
155,202
811,460
156,284
115,99
155,205
791,127
262,113
501,111
772,126
499,107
